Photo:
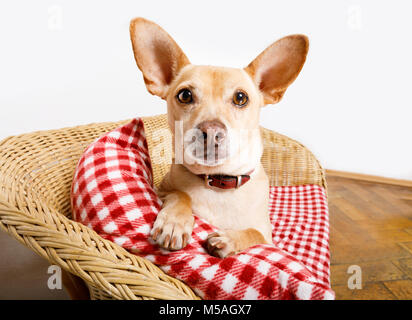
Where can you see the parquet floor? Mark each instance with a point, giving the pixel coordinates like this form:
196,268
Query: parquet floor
370,226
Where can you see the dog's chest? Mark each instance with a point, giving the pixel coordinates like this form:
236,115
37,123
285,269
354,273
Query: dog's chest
229,209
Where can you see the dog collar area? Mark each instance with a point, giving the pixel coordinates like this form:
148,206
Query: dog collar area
225,181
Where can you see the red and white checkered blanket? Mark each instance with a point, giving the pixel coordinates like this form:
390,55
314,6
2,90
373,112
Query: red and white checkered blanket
112,193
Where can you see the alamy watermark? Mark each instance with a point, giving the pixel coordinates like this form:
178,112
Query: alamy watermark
54,281
54,17
205,147
355,280
354,17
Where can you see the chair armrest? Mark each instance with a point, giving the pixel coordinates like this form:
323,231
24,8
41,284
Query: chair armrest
102,264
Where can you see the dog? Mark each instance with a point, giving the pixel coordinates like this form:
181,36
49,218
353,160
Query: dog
210,105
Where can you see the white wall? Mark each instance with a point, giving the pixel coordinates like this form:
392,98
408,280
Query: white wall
351,105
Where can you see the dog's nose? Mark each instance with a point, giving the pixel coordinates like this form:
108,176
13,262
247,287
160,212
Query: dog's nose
213,131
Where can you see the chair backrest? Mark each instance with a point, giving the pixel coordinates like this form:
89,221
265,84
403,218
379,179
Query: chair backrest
286,161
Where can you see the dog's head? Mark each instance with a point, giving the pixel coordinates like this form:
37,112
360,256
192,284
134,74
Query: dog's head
215,109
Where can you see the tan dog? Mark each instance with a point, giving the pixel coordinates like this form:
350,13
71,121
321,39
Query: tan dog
217,102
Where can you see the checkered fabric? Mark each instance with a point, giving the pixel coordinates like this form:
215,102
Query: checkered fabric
112,193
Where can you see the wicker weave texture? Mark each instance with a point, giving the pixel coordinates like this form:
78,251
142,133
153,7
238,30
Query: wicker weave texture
36,171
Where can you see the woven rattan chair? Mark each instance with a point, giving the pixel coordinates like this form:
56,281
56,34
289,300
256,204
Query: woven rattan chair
36,171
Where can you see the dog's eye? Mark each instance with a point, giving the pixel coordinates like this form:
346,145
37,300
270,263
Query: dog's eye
240,98
185,96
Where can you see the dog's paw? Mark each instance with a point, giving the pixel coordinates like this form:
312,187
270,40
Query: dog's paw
171,231
220,244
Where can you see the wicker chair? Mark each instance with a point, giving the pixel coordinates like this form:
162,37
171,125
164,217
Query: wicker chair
36,171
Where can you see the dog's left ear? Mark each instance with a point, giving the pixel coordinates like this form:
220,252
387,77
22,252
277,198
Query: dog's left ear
157,55
278,66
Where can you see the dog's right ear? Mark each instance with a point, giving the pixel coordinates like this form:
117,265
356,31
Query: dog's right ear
157,55
278,66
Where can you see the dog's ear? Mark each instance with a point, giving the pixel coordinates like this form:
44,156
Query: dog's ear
278,66
157,55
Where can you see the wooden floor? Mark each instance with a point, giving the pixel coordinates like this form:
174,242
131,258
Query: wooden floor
371,226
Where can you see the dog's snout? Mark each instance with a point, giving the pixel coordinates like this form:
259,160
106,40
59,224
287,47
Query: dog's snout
213,131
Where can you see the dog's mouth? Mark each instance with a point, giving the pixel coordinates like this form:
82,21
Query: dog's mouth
205,151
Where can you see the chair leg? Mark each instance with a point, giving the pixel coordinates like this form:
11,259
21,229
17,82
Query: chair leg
75,286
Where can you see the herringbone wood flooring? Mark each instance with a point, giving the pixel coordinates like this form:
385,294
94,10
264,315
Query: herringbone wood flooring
371,226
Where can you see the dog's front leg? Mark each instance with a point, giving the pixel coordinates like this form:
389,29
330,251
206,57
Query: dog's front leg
174,223
229,242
